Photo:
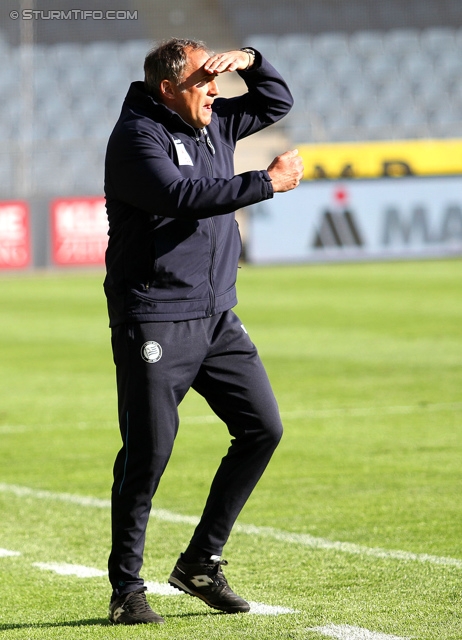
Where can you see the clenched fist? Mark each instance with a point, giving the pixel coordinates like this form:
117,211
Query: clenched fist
286,171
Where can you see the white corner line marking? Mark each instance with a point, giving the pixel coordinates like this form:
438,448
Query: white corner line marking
348,632
65,569
302,539
6,553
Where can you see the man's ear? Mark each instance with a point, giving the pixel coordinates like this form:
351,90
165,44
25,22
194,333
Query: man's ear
166,90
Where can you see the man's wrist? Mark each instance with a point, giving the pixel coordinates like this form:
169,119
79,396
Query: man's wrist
251,54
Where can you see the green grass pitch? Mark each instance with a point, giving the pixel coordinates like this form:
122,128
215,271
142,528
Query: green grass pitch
366,363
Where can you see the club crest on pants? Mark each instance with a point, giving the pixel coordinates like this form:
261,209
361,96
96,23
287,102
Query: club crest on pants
151,352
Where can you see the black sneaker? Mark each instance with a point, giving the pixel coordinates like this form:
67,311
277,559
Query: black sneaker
207,582
132,608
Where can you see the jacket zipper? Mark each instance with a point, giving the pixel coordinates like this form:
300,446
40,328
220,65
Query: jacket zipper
211,221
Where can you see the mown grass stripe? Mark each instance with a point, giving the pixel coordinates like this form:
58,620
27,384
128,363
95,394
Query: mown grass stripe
298,414
340,412
302,539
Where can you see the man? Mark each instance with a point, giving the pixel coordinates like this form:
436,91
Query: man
171,261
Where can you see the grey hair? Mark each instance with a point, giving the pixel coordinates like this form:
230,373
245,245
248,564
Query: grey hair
167,61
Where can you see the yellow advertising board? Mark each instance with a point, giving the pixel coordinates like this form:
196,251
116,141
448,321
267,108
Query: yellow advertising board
394,159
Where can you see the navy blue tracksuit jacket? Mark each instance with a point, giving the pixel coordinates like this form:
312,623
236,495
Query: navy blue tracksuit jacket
171,194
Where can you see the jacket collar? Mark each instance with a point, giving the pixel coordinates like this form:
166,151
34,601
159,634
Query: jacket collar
138,98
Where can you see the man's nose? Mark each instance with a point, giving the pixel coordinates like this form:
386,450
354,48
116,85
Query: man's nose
213,88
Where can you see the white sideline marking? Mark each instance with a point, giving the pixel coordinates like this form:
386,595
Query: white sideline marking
64,569
5,553
162,589
158,588
347,632
346,411
302,539
256,608
306,540
259,609
83,501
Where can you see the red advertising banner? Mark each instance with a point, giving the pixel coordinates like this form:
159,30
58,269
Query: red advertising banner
15,252
79,231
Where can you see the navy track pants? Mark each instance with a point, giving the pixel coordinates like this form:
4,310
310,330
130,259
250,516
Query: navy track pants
156,364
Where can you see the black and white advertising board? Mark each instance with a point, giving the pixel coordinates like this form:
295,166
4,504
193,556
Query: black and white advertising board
359,220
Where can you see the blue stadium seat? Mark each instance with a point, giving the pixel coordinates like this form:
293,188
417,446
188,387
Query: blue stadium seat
66,55
430,95
367,43
381,68
377,124
417,65
6,172
449,65
341,124
438,40
331,43
359,89
48,172
64,129
326,97
101,54
293,47
10,77
398,41
267,45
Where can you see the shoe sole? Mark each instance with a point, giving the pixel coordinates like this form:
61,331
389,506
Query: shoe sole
135,622
177,584
132,624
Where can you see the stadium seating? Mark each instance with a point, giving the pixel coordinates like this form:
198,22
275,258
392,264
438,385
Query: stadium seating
76,96
398,83
319,16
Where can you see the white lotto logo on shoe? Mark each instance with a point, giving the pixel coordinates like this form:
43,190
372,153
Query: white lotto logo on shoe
151,352
117,613
201,581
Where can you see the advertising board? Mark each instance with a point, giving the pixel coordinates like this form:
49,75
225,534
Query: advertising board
15,251
379,159
359,219
79,231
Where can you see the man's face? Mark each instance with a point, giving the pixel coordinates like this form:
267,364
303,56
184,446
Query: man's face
192,99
